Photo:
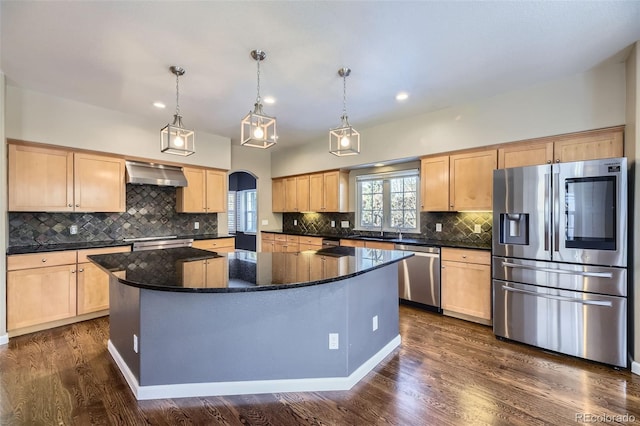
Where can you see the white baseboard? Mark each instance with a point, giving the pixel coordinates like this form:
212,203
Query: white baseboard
4,339
253,386
635,367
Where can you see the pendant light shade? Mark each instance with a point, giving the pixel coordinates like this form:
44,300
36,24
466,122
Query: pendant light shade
344,139
174,138
257,129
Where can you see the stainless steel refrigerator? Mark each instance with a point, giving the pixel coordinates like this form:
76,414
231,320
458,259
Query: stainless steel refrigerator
560,256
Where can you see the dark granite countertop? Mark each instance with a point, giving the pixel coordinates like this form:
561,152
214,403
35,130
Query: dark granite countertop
395,240
178,269
42,248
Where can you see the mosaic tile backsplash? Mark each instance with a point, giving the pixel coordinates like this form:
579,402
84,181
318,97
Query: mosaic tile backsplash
455,226
150,212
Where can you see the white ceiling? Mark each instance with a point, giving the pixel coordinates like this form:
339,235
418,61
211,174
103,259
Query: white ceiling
116,54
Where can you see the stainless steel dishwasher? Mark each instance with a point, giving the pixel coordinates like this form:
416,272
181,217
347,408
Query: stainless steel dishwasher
419,276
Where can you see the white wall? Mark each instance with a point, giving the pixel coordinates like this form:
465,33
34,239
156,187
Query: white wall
585,101
257,162
632,151
3,222
37,117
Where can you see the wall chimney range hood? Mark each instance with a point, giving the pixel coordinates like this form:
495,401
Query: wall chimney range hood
154,174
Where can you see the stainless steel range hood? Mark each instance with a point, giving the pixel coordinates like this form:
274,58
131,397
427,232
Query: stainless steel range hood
155,174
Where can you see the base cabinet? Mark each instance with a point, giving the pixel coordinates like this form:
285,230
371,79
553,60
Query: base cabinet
220,245
47,290
466,284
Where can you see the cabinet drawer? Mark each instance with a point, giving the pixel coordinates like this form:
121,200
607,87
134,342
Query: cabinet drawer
82,254
280,237
268,236
482,257
314,241
215,244
39,260
293,239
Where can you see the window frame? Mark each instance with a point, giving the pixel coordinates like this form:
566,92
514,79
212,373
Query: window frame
386,200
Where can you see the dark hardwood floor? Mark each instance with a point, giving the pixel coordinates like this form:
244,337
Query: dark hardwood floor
447,372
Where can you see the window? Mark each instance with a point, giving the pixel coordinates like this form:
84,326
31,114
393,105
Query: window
388,201
242,211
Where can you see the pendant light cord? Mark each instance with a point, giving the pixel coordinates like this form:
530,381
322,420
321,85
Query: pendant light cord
344,95
258,99
177,96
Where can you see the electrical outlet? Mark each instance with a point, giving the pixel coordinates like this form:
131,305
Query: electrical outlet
135,343
196,225
477,229
438,227
344,223
333,341
374,323
333,223
295,222
73,229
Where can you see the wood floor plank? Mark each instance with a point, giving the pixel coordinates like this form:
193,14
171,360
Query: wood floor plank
446,372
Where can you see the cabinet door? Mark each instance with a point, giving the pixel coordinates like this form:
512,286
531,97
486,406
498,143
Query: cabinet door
93,288
589,146
379,245
525,154
466,289
267,246
336,185
40,295
99,183
216,191
192,198
434,183
302,193
316,192
352,243
471,180
290,194
217,274
277,195
194,273
40,179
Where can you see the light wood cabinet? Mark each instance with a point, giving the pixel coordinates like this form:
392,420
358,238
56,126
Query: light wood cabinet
591,145
220,245
93,282
296,193
351,243
434,183
471,180
277,195
328,191
206,191
458,182
466,284
267,242
43,289
49,179
309,243
381,245
284,243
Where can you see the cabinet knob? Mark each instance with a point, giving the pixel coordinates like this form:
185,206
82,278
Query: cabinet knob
548,161
77,205
81,270
451,206
44,259
73,272
70,205
557,160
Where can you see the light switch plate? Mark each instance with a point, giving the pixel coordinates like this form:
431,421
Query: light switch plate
438,227
295,222
334,339
265,222
344,223
477,229
333,223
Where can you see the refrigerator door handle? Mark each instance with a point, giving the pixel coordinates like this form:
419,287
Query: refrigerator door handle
560,298
558,271
556,210
547,211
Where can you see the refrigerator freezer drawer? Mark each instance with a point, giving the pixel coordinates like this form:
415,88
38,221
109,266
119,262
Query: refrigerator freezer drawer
589,326
566,276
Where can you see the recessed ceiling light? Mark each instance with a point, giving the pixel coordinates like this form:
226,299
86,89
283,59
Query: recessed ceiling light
269,100
159,105
378,165
402,96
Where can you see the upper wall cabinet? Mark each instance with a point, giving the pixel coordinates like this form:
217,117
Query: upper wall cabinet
206,191
458,182
58,180
317,192
592,145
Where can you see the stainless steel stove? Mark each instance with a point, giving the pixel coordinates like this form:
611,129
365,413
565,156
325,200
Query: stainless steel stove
156,243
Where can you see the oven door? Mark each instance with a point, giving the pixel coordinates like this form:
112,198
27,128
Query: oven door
590,212
586,325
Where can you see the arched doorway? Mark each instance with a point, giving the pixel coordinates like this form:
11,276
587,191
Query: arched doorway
243,210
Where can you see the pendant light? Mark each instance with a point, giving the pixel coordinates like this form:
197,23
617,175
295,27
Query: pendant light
344,140
174,138
257,129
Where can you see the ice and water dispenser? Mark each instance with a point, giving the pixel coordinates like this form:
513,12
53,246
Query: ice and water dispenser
514,228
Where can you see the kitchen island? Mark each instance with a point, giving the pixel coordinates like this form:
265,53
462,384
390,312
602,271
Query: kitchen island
187,322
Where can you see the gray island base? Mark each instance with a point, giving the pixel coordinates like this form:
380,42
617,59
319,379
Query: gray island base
325,336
